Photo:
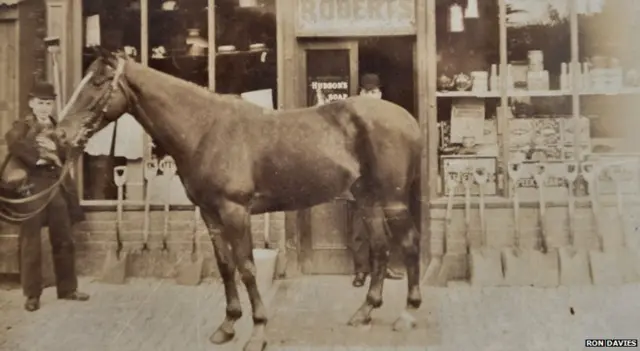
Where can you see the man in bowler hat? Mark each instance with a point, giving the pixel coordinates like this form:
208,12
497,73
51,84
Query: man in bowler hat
360,246
38,154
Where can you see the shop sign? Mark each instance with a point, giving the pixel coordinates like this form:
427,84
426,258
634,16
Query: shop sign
355,17
323,90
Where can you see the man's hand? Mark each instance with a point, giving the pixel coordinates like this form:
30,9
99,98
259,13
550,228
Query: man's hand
46,143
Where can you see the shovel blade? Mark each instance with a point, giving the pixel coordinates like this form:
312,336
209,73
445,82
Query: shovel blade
190,271
115,268
606,268
517,271
486,267
142,263
545,268
574,267
430,277
164,264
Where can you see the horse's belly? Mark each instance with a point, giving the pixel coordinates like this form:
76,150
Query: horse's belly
307,184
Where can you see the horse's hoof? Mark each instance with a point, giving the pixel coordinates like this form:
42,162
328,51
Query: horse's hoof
221,336
255,345
404,323
358,321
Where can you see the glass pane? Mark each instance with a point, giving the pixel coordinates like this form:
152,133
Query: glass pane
119,30
327,76
468,56
246,49
610,84
539,89
178,42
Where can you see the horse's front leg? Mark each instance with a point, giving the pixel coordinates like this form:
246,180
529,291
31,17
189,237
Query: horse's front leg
374,221
237,225
227,268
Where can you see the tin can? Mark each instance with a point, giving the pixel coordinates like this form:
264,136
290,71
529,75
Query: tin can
536,60
480,81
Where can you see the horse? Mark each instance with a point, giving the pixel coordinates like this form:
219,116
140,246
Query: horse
236,159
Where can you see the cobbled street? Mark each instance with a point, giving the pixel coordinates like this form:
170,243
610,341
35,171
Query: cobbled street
310,313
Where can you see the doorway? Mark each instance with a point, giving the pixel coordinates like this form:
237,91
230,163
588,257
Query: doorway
330,69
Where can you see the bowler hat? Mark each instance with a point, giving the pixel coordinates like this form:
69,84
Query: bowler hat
42,90
370,81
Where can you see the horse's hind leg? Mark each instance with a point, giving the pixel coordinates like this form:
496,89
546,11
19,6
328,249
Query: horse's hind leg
374,221
237,226
227,268
401,225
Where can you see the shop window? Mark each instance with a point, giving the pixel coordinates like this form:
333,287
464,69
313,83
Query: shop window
551,82
246,49
118,25
244,59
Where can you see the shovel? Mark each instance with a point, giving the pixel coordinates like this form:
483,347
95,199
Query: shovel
115,266
166,259
627,257
574,263
544,262
190,272
145,258
486,264
448,261
605,269
437,273
515,261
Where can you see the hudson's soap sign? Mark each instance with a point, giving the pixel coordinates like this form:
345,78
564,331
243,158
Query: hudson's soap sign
348,17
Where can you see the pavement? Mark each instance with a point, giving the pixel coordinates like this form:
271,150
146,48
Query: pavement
310,313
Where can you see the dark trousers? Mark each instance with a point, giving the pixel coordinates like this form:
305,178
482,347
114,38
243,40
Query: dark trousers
56,216
361,250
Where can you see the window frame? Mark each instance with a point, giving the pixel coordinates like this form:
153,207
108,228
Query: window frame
502,121
78,40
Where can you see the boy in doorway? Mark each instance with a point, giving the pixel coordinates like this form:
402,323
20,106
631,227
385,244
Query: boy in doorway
370,86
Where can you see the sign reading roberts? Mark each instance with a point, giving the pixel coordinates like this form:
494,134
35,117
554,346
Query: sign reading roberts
348,17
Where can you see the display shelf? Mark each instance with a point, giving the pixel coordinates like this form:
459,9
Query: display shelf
623,91
510,93
534,93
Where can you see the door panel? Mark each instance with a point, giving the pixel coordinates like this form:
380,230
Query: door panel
8,112
332,68
8,75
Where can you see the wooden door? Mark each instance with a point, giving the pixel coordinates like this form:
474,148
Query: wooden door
9,97
8,75
331,67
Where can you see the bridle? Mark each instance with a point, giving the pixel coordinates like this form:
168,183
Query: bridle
98,108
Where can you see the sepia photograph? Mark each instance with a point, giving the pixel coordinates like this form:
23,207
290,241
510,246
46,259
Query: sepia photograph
282,175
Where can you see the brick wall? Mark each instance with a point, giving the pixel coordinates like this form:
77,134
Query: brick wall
97,235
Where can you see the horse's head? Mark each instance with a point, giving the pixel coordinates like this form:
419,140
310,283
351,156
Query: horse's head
102,97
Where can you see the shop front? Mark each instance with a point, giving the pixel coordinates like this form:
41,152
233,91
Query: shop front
545,86
330,46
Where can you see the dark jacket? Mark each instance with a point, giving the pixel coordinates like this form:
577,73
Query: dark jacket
21,142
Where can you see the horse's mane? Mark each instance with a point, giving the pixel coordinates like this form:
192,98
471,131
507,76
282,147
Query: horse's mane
195,94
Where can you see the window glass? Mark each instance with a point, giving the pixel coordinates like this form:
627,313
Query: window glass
119,28
609,54
246,49
468,56
538,84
